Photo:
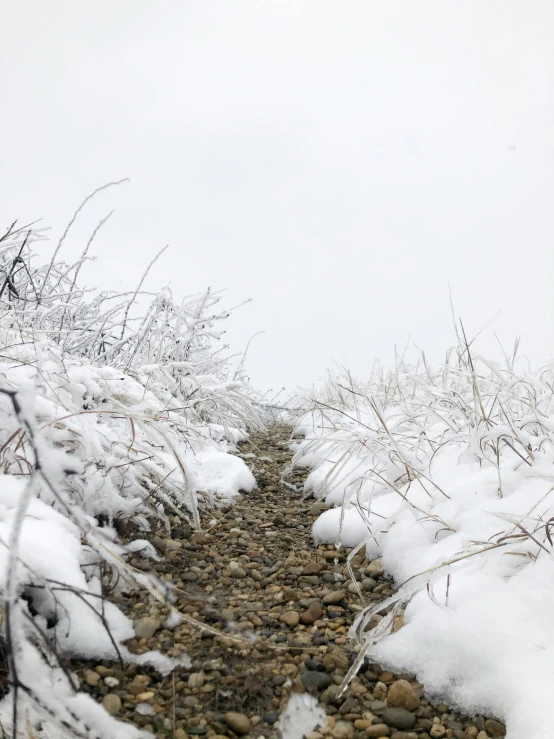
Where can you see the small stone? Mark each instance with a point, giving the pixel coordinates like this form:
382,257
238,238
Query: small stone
342,730
377,730
332,554
313,568
482,735
437,731
337,596
314,613
398,623
239,574
146,627
380,691
145,709
375,567
363,723
336,658
270,718
196,680
316,680
171,546
143,697
290,618
400,718
111,682
350,705
190,576
238,722
112,703
290,670
92,678
495,728
402,695
368,584
103,670
314,665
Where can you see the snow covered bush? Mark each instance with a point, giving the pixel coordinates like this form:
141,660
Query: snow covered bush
447,474
111,416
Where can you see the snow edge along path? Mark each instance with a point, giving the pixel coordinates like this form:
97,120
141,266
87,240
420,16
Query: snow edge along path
486,645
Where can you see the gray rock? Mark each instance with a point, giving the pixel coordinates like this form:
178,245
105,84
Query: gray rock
316,680
399,718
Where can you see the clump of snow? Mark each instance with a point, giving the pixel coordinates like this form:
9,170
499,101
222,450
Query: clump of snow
447,475
301,715
109,415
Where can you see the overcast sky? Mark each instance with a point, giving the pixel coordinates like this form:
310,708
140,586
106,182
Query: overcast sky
340,162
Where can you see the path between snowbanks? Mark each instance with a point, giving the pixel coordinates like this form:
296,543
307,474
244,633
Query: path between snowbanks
276,609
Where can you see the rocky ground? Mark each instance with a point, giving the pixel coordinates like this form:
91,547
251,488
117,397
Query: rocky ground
278,610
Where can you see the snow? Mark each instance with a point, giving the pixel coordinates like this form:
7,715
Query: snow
105,415
451,488
221,474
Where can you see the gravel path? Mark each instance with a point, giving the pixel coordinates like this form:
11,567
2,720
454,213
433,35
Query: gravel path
280,609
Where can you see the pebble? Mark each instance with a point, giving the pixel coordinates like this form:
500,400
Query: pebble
313,680
239,722
495,728
377,730
337,596
400,718
112,703
146,627
290,618
437,731
196,680
402,695
342,731
314,613
92,678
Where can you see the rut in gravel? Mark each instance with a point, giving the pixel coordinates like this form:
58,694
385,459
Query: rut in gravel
277,610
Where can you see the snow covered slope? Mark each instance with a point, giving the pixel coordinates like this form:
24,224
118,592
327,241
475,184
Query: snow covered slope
107,414
447,474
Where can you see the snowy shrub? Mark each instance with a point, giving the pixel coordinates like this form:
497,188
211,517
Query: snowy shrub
447,475
115,411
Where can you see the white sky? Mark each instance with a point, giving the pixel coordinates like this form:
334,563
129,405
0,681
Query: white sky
340,162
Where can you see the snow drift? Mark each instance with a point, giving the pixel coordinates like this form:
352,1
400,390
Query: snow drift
110,415
447,474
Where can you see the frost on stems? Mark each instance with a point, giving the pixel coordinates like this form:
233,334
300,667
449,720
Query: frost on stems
383,436
127,390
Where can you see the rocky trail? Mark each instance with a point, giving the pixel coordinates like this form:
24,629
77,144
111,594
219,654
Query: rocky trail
277,611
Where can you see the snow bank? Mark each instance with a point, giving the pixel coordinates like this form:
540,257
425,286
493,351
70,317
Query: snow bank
106,416
448,476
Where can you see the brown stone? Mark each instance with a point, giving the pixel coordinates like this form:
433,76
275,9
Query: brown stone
314,612
402,695
377,730
495,728
238,722
112,703
290,618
